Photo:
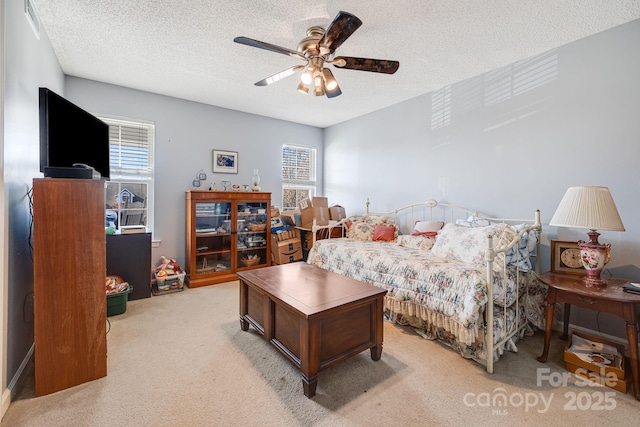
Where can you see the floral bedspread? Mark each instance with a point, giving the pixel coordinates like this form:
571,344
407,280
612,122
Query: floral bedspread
443,299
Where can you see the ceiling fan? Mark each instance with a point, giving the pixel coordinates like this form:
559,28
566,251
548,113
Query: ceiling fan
317,50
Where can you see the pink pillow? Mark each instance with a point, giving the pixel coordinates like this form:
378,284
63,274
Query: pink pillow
384,233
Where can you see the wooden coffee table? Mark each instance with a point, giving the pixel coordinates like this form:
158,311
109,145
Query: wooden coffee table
316,318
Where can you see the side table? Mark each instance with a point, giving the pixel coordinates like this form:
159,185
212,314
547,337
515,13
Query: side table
571,290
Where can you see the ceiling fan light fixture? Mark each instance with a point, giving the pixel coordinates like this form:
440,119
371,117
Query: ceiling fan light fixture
303,88
330,82
318,85
307,75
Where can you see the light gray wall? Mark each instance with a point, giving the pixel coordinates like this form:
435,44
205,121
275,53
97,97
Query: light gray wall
186,134
29,64
516,139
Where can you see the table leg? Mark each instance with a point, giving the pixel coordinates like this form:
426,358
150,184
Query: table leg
565,325
378,324
309,355
309,386
551,303
244,325
376,352
632,337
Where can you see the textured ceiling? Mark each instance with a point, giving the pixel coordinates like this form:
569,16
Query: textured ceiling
185,48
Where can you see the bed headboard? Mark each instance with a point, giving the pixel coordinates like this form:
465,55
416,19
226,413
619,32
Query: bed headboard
432,210
405,218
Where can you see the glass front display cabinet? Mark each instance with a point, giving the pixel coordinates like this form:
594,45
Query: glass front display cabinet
227,231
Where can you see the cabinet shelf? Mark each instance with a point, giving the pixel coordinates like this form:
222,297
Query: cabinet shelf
213,256
205,253
253,248
211,234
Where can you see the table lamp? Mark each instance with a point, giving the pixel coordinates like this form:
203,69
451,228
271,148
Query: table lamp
591,208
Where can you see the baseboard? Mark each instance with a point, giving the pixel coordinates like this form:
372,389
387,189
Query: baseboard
6,401
8,393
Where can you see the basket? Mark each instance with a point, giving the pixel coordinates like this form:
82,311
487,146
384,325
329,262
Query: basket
250,262
117,303
257,227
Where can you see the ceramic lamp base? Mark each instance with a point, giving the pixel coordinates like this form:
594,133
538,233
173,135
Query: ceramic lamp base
594,257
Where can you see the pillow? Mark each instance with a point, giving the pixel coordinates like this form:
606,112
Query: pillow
384,233
416,242
473,221
519,255
363,228
427,228
468,244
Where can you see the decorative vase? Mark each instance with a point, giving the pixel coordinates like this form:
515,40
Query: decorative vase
255,180
594,257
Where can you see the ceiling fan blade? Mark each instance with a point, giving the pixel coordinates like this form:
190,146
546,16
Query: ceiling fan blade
279,76
340,29
268,46
366,64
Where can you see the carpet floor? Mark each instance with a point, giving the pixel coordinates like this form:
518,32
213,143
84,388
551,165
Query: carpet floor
182,360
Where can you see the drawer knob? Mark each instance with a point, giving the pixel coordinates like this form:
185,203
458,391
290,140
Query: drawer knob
587,300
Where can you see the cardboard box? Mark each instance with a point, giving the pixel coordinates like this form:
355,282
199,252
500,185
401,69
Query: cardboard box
337,212
285,251
316,208
320,202
316,202
291,233
612,377
320,214
291,218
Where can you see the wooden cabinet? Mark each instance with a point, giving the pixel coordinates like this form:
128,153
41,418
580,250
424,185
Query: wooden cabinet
227,232
69,269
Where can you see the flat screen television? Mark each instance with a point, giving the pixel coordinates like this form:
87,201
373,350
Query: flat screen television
69,137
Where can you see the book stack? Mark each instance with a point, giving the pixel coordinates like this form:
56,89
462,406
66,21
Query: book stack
131,229
632,288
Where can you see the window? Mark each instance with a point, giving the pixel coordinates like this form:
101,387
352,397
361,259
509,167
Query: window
298,175
129,195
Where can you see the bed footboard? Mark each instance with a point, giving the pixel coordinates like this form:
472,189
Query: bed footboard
490,258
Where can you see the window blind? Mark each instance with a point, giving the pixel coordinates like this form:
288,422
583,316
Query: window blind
298,175
130,149
298,165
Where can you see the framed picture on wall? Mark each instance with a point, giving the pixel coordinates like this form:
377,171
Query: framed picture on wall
225,161
566,258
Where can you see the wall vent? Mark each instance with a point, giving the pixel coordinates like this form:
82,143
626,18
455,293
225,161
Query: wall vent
32,17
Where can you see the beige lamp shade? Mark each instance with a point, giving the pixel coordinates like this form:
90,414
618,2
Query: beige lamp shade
588,207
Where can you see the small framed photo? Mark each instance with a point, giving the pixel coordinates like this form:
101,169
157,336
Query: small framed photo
225,161
566,258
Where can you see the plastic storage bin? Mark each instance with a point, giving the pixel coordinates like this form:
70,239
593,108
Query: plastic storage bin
117,303
168,284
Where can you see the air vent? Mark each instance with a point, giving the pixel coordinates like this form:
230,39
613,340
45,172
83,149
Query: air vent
32,17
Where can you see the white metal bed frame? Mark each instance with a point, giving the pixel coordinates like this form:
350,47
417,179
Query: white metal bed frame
407,215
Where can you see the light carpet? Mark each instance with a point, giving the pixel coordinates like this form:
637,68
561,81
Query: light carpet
182,360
